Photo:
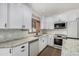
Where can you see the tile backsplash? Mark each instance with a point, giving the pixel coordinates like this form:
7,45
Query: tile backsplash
10,34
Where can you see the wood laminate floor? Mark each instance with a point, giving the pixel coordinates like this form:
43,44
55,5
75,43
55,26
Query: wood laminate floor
50,51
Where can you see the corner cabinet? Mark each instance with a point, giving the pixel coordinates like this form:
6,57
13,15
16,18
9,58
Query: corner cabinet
42,42
3,15
50,40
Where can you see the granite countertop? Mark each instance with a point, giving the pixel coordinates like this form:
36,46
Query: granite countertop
17,42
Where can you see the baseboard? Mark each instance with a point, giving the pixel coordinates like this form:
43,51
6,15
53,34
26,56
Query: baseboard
50,46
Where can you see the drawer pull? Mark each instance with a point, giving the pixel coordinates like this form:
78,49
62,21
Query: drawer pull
10,51
23,47
43,40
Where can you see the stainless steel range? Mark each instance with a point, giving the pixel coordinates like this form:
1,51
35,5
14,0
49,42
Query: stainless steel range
58,40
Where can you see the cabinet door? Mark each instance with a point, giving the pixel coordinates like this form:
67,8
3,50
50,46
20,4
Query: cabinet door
5,51
3,15
16,16
21,50
43,23
27,17
34,48
45,40
70,47
41,44
72,29
50,41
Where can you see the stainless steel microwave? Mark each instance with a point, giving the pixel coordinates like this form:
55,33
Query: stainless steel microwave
60,25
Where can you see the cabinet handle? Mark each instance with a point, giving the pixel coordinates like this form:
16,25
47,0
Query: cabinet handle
43,40
23,47
5,24
23,26
10,51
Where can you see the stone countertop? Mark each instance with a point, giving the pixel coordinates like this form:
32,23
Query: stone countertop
14,43
19,41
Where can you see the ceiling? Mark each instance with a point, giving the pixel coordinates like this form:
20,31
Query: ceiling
48,9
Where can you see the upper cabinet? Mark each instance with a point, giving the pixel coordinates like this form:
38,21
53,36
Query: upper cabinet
47,23
19,16
15,16
3,15
50,23
43,22
27,22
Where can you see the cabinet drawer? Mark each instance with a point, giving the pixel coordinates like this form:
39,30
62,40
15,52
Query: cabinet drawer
21,50
5,51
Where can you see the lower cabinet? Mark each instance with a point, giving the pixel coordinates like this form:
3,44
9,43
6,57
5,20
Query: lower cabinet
21,50
34,48
42,42
50,40
5,51
28,49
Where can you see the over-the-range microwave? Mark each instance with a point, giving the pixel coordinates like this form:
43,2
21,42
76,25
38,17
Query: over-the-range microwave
60,25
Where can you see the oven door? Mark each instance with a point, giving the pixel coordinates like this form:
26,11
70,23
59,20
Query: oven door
58,41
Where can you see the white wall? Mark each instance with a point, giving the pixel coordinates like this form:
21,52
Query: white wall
66,16
70,15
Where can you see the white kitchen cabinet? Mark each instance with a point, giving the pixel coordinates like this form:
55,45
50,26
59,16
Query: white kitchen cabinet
3,15
50,40
34,48
21,50
20,16
72,29
5,51
50,23
70,46
15,16
43,22
27,22
42,43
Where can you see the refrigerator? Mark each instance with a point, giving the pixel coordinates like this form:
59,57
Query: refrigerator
71,43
